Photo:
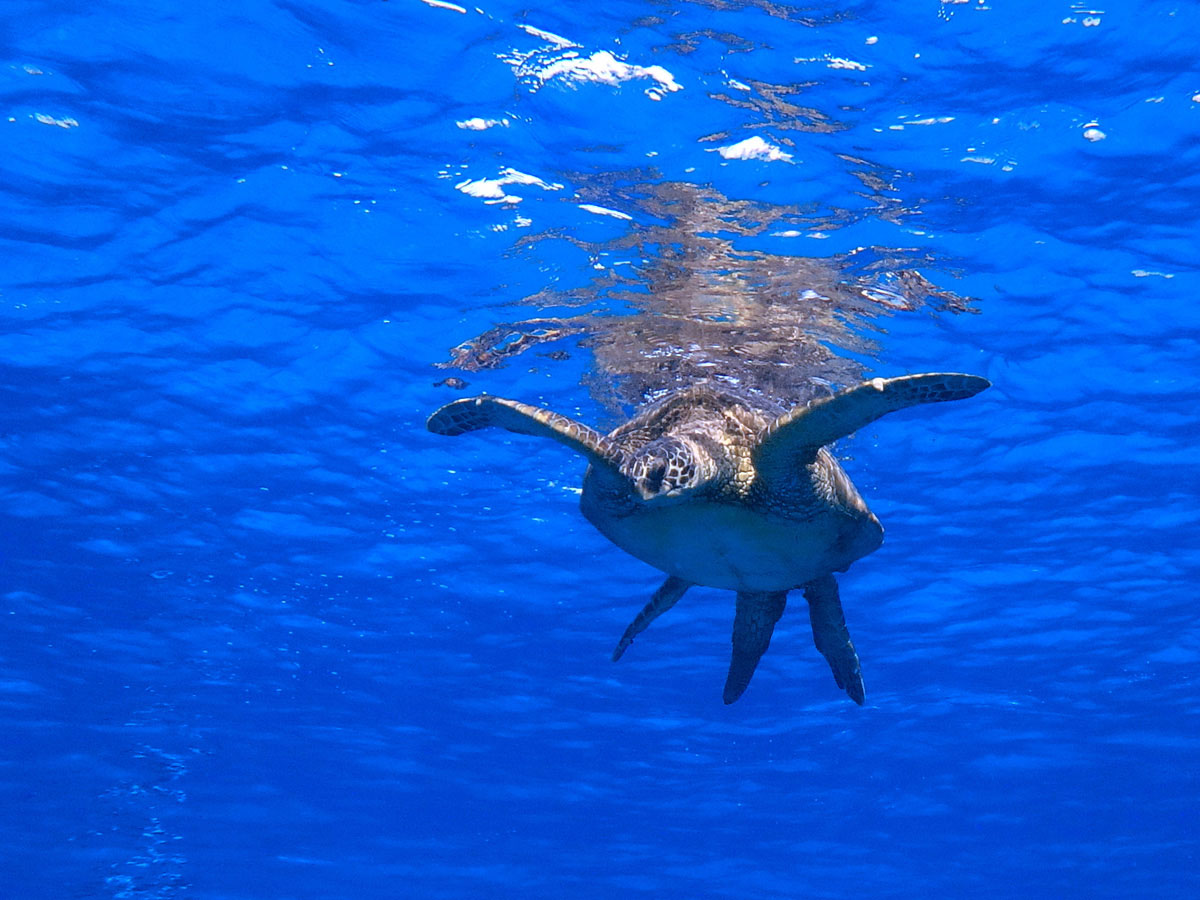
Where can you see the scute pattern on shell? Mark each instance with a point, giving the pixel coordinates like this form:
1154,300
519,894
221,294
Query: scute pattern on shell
706,406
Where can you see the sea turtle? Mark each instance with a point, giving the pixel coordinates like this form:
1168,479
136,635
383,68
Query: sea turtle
720,489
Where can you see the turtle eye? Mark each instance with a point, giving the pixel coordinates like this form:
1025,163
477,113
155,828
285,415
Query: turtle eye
655,473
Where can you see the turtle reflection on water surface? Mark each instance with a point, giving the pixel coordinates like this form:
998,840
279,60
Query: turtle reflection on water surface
718,489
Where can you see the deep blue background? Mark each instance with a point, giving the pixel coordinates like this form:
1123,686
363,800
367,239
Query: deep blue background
264,637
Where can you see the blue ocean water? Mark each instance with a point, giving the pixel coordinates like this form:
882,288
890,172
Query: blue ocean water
266,637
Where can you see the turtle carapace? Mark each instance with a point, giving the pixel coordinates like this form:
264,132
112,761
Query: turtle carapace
718,489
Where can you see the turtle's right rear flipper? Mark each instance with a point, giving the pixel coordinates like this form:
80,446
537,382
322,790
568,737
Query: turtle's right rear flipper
831,636
753,625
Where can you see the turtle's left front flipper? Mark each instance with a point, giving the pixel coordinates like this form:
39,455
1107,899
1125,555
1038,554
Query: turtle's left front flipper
831,636
794,438
753,625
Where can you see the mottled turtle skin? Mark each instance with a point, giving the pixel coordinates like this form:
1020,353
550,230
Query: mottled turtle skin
718,489
693,501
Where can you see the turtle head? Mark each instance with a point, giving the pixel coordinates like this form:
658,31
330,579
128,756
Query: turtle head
669,467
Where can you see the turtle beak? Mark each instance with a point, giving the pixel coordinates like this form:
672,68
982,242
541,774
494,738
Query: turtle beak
649,495
645,493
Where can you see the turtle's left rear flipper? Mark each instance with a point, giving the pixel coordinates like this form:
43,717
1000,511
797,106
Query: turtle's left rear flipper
831,636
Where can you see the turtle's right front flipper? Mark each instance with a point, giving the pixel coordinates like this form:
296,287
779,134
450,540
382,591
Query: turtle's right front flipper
473,413
831,636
